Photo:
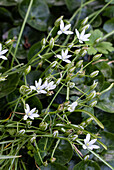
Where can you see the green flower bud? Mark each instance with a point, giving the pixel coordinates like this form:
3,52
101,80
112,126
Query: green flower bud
33,139
25,90
95,73
45,163
21,132
77,51
52,159
79,63
74,137
85,27
96,57
92,104
70,45
54,63
57,22
94,85
91,95
43,42
83,53
3,78
51,43
55,133
72,69
98,40
27,70
86,158
63,130
85,21
71,85
9,42
43,125
88,121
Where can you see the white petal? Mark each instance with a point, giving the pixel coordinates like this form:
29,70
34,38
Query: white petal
68,56
3,52
80,41
95,146
92,142
87,35
25,117
68,32
27,108
32,111
0,47
67,61
31,117
66,51
84,146
59,32
40,82
36,83
82,33
33,87
59,56
62,53
3,57
61,24
87,139
77,33
43,91
67,27
35,115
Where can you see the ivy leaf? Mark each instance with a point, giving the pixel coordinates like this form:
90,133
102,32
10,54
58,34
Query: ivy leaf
109,25
82,165
104,47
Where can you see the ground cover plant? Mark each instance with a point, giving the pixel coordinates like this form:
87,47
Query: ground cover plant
56,84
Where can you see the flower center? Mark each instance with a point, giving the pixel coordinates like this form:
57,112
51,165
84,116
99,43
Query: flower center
29,114
87,144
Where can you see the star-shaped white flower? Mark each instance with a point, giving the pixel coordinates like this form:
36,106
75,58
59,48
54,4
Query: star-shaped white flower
64,29
81,36
38,87
89,144
64,56
72,106
30,113
2,52
50,85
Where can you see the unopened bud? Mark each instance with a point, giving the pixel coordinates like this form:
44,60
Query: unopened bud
43,125
79,63
96,57
51,43
95,73
74,137
92,104
45,163
85,27
33,139
54,63
72,69
85,21
83,53
98,40
55,133
22,131
94,85
27,70
91,95
70,45
77,51
86,158
9,42
52,159
63,130
25,90
57,22
43,42
71,85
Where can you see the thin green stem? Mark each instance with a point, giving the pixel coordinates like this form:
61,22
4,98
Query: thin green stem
21,31
57,143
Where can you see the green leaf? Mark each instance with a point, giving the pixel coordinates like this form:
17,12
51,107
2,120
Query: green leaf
5,15
109,12
105,69
111,2
86,165
38,16
104,47
108,139
9,3
53,166
9,85
63,153
109,25
8,157
35,102
72,4
91,50
97,22
32,76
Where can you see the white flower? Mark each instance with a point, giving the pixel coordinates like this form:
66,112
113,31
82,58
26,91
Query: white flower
30,113
64,29
64,56
72,106
81,36
2,52
38,87
50,85
89,144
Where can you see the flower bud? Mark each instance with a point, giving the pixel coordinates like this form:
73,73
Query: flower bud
3,78
85,27
71,70
25,90
22,131
27,70
63,130
9,42
43,125
98,40
43,42
55,133
94,85
45,163
86,158
92,104
85,21
74,137
70,45
91,95
95,73
83,53
71,85
77,51
79,63
52,159
33,139
96,57
51,43
29,123
88,121
54,63
57,22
